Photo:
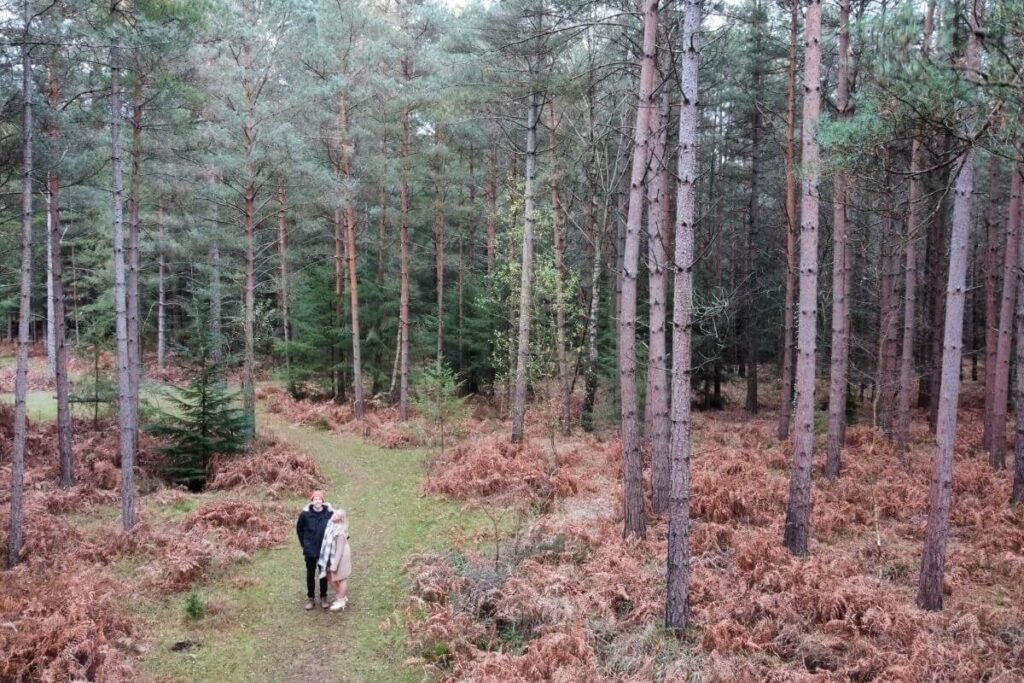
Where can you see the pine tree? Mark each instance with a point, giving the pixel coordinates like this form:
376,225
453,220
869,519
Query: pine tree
202,419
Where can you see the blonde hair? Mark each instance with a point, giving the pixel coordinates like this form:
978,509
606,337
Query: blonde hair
339,516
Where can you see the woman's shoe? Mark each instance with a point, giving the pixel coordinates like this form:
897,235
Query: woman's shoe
338,605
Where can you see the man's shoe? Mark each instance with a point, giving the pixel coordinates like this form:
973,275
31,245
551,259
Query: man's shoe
309,604
324,602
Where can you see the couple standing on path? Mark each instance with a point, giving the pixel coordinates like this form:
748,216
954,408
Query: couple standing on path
323,535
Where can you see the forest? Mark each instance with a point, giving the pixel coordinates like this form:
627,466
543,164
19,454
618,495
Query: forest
641,341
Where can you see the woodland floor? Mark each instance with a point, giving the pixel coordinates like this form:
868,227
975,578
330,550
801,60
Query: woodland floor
264,633
496,563
255,627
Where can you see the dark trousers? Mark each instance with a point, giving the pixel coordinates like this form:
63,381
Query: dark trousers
311,579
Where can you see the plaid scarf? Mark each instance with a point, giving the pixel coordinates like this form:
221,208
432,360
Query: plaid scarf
327,549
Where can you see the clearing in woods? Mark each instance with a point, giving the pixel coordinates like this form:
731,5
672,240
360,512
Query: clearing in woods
264,633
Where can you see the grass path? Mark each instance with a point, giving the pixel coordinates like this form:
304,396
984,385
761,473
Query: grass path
261,633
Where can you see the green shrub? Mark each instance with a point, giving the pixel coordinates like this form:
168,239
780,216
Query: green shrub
195,605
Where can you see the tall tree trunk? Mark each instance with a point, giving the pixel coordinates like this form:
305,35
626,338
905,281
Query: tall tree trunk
15,534
403,365
51,336
590,378
525,283
382,228
57,302
788,312
282,257
249,292
750,324
249,315
657,415
933,561
348,151
439,237
910,298
595,234
991,301
635,524
798,508
125,414
559,218
997,451
216,328
161,277
839,373
937,278
677,606
340,239
889,313
492,204
1017,496
132,281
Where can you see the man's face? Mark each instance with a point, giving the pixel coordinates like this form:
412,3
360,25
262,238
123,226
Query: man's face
318,503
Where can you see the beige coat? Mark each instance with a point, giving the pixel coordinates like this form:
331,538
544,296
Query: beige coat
341,558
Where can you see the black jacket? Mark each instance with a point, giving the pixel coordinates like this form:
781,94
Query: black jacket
310,528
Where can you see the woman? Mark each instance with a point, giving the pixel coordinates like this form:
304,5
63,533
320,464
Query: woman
336,559
313,521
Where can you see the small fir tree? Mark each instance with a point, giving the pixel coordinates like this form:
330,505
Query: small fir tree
437,398
204,418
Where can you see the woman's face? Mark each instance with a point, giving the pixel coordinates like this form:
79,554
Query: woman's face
318,503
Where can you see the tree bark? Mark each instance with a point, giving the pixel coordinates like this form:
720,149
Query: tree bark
403,365
596,234
55,269
525,283
51,336
657,413
991,302
750,327
788,312
340,240
492,204
382,226
249,315
997,450
840,364
249,312
933,561
887,328
635,524
16,530
798,508
558,228
910,298
282,257
348,151
439,265
1017,495
161,276
215,300
937,278
125,414
132,281
677,606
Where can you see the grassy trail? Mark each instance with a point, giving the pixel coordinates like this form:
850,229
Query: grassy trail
261,632
256,629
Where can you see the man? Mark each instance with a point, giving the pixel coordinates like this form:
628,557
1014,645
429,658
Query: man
310,529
